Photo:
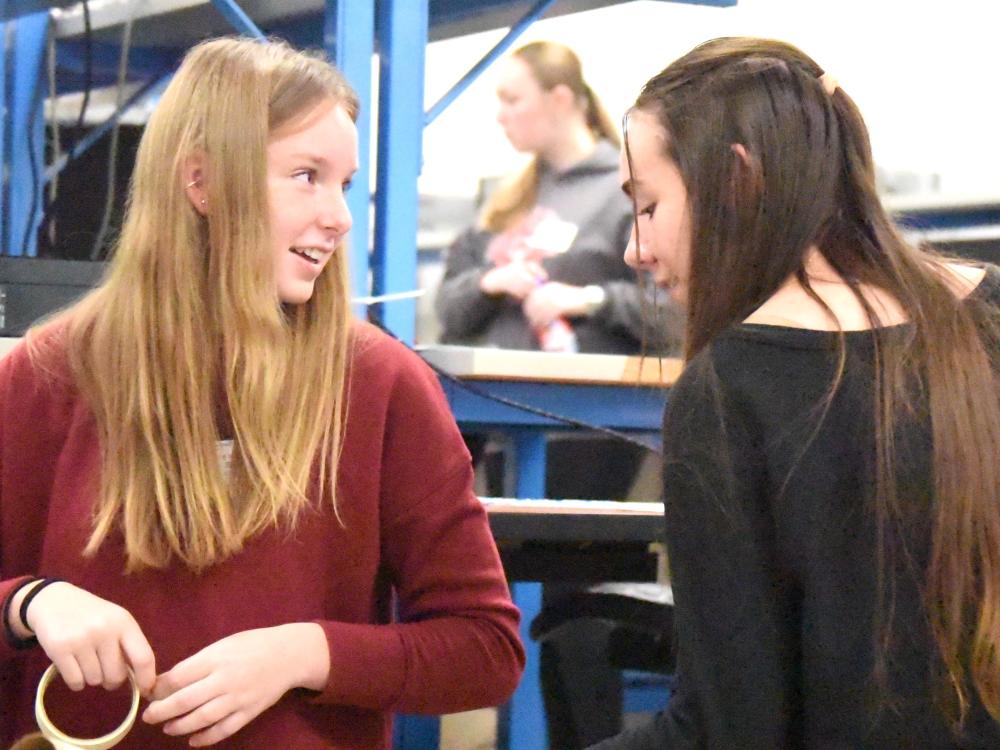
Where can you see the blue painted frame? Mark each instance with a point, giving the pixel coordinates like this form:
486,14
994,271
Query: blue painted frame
23,135
352,53
401,30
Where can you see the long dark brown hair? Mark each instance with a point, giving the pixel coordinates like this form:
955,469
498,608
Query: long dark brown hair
809,181
552,64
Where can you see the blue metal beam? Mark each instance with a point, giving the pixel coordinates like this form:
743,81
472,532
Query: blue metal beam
151,88
349,39
515,31
402,37
24,43
143,63
240,20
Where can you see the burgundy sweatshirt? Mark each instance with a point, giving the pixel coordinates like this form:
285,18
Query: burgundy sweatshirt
413,539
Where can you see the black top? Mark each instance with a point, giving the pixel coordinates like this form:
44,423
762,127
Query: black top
771,539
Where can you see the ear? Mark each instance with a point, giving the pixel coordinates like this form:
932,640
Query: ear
741,151
563,95
193,179
747,180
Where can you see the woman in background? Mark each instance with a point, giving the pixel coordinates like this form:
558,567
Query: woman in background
213,476
831,485
543,269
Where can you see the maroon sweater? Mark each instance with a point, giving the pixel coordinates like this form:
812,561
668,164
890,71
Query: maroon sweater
412,526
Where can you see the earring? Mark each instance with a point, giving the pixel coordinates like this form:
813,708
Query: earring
203,201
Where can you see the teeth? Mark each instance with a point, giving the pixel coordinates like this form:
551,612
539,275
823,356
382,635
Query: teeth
310,252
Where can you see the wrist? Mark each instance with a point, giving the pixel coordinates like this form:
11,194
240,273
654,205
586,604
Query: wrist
486,285
309,653
594,298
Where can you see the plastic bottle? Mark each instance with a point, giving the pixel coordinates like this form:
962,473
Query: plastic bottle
558,336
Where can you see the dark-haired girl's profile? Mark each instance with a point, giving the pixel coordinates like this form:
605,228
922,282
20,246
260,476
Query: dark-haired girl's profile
831,479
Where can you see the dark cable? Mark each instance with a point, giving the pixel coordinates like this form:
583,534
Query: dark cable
483,393
33,108
112,171
88,68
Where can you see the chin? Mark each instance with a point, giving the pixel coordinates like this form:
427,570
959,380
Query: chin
297,296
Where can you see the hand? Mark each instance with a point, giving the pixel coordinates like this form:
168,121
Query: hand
90,640
554,300
517,278
220,689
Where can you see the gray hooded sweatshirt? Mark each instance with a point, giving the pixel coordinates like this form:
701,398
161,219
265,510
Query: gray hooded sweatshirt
587,197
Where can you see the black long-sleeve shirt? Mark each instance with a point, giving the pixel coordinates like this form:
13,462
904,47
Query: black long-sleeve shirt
772,546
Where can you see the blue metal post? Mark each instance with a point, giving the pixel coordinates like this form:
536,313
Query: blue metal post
349,38
24,134
525,713
6,31
402,36
238,18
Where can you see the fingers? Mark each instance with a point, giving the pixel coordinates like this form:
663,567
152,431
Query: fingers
179,702
112,663
538,309
140,657
218,732
202,717
183,675
537,271
70,671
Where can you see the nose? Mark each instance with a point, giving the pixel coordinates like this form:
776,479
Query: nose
637,254
333,214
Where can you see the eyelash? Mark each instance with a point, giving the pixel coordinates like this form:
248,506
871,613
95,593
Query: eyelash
310,173
648,211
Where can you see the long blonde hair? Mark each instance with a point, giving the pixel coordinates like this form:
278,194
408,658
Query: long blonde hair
186,338
552,65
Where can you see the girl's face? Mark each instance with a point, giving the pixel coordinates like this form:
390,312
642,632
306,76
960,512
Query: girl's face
309,166
527,113
663,246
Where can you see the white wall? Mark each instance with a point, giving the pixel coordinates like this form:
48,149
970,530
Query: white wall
926,75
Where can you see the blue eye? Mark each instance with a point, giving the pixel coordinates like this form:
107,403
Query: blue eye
305,175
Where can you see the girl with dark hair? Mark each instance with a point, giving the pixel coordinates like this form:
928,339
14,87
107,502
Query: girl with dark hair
831,484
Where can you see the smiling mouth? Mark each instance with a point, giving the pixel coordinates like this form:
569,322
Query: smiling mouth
310,254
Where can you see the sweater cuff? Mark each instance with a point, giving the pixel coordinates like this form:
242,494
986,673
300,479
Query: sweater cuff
367,665
8,646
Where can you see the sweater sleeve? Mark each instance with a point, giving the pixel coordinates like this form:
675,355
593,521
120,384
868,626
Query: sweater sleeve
462,307
639,310
455,644
13,364
733,617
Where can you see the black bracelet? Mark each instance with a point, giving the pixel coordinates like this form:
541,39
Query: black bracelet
23,614
12,640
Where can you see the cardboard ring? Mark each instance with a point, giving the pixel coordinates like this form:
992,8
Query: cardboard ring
64,741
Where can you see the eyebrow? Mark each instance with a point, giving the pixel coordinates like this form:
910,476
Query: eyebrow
318,160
